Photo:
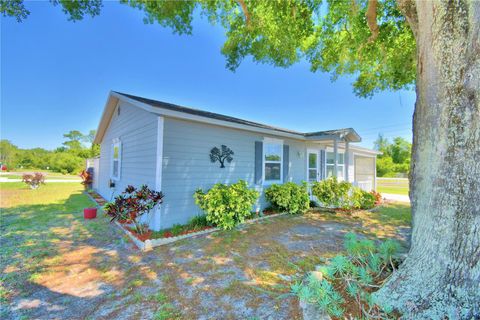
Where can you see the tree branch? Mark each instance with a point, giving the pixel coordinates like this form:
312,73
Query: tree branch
409,10
245,12
371,16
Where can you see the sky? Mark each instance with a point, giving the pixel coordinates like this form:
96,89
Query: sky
56,76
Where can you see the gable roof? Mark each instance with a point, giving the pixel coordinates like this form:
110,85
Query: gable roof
173,110
198,112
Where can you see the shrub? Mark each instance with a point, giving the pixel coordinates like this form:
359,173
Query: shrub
87,178
361,199
133,203
288,197
346,279
34,179
226,205
377,196
334,194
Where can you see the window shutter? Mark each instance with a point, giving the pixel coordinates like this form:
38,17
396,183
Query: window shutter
258,162
286,162
322,164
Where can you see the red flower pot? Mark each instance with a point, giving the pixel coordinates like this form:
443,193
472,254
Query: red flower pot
89,213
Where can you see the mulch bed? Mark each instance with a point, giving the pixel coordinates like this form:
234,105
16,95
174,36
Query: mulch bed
98,198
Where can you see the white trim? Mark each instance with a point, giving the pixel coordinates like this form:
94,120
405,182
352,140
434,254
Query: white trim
317,152
116,142
159,163
157,214
267,140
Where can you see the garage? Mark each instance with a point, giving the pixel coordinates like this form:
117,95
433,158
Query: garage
365,172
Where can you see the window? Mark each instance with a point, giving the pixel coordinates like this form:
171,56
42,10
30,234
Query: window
273,161
330,165
116,159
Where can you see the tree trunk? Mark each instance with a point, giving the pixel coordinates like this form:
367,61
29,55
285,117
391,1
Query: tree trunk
440,277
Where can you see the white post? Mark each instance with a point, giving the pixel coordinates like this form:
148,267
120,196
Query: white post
335,154
346,160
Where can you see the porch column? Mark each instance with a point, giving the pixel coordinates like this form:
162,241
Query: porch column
335,154
346,160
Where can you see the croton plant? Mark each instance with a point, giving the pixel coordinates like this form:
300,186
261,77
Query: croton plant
133,203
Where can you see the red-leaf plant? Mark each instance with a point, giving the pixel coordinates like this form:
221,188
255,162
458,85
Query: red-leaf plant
87,178
133,203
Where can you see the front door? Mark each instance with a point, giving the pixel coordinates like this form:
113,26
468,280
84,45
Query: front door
313,165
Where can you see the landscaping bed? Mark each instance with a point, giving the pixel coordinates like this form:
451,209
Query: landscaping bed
197,226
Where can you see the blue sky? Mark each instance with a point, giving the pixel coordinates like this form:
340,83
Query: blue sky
56,75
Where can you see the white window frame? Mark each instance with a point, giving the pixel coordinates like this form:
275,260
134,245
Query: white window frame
267,141
339,166
116,143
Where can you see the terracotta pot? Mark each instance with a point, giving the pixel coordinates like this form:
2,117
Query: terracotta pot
89,213
122,221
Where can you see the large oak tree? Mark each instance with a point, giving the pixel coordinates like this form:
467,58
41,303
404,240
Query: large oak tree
385,45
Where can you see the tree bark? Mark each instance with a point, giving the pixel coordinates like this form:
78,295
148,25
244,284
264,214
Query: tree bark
440,277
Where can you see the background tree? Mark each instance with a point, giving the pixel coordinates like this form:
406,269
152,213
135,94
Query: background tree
74,140
384,45
8,153
395,158
69,158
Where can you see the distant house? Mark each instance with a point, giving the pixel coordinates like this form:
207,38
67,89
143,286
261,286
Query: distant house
168,147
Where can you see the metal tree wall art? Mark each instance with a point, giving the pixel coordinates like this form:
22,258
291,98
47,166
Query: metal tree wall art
220,155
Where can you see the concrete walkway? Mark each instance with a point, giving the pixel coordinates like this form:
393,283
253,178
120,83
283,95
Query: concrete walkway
396,197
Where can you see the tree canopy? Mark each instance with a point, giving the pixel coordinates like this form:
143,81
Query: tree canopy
369,40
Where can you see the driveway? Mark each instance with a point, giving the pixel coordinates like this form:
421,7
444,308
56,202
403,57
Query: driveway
396,197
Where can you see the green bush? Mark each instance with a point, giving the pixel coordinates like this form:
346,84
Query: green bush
344,195
347,279
288,197
332,193
226,205
361,199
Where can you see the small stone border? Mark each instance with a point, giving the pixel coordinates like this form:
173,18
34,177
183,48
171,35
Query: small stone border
149,244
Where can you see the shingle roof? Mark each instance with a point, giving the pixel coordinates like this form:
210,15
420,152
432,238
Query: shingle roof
217,116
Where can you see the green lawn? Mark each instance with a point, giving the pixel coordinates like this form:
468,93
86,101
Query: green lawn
392,185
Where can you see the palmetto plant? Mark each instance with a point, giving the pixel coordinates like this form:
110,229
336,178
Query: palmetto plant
351,277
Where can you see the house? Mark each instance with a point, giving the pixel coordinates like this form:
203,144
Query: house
168,148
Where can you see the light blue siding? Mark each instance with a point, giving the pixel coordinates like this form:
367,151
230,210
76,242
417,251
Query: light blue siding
187,166
137,131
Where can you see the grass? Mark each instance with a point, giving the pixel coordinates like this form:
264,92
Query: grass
392,185
34,224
